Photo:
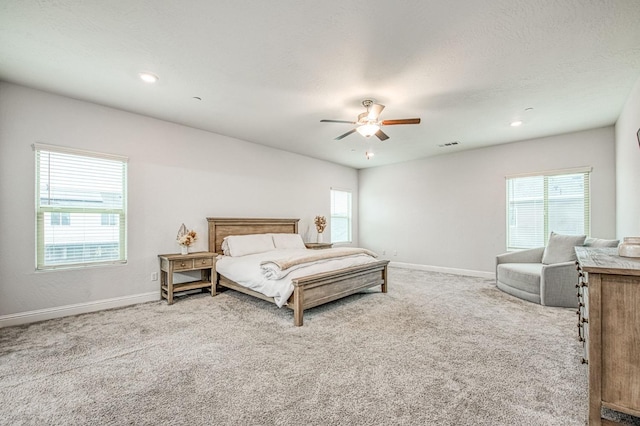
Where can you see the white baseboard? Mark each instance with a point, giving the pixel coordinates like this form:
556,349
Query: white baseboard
118,302
80,308
455,271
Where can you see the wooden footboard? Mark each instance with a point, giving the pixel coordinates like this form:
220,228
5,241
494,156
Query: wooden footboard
319,289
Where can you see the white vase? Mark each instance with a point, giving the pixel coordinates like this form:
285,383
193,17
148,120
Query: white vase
184,249
319,237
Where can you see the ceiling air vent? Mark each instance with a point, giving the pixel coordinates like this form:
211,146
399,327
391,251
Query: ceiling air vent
449,144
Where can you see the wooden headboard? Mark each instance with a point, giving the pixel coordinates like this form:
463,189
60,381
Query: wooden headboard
221,227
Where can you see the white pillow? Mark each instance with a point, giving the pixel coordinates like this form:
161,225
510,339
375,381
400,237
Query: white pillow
288,241
560,248
225,247
242,245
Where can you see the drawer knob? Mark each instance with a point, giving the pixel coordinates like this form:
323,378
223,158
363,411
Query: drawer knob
204,261
182,264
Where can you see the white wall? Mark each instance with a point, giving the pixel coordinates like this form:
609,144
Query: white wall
176,174
628,167
450,211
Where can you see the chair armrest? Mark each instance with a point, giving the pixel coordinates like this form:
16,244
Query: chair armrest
558,285
533,255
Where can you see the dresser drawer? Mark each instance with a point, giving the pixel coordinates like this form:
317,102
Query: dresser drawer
585,343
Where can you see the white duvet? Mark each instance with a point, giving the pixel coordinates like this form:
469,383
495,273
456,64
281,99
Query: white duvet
247,271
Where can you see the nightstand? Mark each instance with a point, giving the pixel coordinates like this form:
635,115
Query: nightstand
318,246
204,262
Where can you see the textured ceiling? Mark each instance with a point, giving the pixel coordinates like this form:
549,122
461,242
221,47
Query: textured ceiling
269,71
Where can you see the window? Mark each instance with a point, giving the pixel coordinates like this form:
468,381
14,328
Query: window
85,192
340,216
58,218
109,219
539,204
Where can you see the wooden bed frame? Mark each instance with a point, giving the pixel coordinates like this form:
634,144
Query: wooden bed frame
309,291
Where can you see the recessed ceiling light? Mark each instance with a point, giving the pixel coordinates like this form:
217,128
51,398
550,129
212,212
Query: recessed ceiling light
148,77
516,123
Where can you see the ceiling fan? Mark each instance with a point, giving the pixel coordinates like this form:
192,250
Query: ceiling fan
369,122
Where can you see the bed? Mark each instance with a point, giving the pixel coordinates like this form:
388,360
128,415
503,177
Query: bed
308,291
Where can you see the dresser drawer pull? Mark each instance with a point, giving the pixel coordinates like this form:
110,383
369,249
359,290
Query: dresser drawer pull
584,361
204,261
183,264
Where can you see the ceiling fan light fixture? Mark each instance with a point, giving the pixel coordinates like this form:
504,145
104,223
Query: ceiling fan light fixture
148,77
368,130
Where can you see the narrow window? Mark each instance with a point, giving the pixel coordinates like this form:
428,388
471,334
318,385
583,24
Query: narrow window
85,192
340,216
542,203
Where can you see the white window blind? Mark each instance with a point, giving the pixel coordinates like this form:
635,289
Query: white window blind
340,216
539,204
80,208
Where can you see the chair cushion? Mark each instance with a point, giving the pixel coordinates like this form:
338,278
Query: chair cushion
599,242
561,248
523,276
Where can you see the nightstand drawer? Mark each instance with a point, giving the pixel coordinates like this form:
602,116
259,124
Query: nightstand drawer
202,262
183,264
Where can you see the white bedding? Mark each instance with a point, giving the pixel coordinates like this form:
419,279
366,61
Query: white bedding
246,270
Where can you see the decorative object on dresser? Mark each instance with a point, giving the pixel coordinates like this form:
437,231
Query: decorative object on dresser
318,246
545,275
609,328
176,263
308,291
630,247
321,224
185,238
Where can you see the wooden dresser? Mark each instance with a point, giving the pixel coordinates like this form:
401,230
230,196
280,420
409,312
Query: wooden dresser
609,327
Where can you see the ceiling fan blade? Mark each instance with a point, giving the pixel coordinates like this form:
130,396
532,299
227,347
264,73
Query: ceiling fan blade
344,135
401,121
374,111
337,121
382,135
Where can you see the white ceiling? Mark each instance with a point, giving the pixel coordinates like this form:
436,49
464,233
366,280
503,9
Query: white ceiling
269,71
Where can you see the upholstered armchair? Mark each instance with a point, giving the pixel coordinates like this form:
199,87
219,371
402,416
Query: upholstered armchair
545,275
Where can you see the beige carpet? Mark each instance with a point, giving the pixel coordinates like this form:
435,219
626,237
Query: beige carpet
437,349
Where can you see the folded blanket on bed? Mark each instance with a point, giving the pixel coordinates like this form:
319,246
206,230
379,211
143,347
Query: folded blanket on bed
278,268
